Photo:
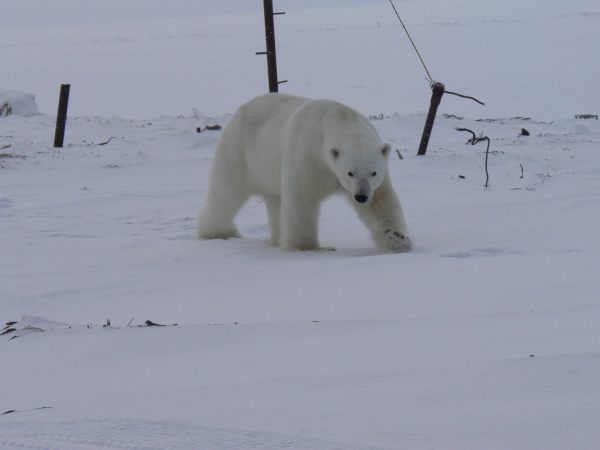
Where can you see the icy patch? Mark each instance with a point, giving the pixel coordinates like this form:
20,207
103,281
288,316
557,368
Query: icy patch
458,255
19,103
6,203
479,252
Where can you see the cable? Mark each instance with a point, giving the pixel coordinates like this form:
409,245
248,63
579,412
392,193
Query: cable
413,44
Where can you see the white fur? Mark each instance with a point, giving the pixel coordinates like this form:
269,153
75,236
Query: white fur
295,152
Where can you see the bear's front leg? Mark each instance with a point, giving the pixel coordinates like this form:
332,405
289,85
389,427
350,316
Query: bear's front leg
299,223
384,218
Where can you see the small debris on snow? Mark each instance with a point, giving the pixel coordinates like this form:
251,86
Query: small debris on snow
10,411
34,329
452,116
149,323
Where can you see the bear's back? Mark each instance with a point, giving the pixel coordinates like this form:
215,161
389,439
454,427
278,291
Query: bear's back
268,107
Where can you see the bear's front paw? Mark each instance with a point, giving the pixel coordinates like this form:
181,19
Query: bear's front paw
395,241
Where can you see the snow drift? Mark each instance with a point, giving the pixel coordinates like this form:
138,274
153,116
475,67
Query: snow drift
19,103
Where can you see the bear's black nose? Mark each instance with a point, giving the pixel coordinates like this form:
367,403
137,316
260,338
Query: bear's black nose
360,198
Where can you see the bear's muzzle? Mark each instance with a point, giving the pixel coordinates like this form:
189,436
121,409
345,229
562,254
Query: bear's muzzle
361,198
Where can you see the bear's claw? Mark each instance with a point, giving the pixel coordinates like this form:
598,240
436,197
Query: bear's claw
396,241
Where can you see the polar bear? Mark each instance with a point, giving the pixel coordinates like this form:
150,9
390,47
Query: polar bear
294,152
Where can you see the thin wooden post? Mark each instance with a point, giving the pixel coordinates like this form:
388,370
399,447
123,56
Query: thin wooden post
61,116
436,98
271,51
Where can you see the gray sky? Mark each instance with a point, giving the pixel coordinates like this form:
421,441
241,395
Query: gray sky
19,14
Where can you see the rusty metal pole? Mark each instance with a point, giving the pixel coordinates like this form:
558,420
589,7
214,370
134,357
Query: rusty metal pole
436,98
270,41
61,116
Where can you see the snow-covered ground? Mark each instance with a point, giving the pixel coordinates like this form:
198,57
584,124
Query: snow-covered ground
486,336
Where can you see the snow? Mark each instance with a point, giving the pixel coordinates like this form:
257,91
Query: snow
15,102
485,336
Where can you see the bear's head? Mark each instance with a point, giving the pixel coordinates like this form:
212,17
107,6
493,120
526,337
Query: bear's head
360,170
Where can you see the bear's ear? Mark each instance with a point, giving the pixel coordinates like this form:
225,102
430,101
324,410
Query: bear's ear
385,150
335,153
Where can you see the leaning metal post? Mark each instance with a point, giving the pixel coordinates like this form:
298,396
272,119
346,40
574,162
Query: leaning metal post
436,98
61,116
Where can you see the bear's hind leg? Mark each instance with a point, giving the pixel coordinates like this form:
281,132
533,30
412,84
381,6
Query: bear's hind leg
215,220
273,209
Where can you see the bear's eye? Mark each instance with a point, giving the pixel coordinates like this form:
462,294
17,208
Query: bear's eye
350,174
373,174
